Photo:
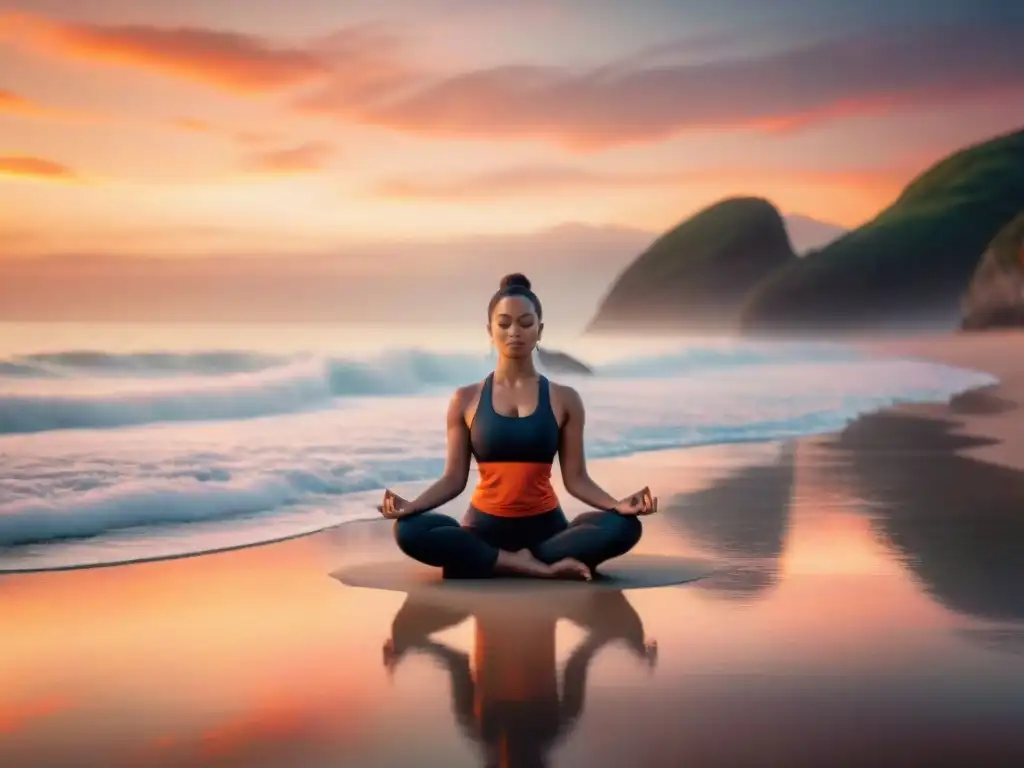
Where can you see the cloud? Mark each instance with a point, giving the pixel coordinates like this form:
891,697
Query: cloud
36,168
370,65
14,104
540,181
250,138
226,60
305,158
368,74
192,125
527,180
635,100
243,137
18,715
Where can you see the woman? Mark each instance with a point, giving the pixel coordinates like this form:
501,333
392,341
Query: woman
513,423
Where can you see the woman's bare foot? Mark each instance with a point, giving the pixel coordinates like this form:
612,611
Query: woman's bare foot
568,568
522,563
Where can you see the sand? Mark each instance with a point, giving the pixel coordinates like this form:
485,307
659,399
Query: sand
990,414
866,610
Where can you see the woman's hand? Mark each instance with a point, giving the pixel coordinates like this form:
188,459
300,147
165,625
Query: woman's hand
394,506
639,503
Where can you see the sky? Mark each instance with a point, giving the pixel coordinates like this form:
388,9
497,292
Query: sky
257,138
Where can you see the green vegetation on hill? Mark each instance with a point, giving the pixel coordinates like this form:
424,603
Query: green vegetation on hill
697,275
913,262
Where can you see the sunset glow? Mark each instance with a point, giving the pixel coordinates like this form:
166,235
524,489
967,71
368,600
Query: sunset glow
146,130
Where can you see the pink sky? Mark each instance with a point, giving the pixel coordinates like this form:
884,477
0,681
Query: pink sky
194,129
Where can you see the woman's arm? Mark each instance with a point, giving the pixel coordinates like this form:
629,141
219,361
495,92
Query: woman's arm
463,685
571,455
456,471
574,682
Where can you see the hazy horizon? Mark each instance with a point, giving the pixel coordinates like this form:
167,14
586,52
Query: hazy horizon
571,266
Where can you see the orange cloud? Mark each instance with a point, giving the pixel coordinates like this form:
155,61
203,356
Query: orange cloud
540,181
255,137
12,238
248,138
226,60
14,104
192,125
367,75
304,158
529,180
36,168
370,65
638,100
15,716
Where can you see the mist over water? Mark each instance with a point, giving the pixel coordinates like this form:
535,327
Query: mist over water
126,442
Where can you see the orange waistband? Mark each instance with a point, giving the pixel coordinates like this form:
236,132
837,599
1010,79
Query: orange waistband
514,489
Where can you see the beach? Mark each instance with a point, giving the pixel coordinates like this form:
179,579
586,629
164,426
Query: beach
866,609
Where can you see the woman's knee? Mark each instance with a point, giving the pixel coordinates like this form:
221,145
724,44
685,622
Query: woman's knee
627,529
409,531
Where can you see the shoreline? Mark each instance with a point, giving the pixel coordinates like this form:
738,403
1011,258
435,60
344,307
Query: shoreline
978,411
931,348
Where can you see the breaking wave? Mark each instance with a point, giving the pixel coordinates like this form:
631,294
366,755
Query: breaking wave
97,390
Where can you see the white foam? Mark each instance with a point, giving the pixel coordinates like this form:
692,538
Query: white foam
94,390
172,488
33,405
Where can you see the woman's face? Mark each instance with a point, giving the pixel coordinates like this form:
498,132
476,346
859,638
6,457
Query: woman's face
515,328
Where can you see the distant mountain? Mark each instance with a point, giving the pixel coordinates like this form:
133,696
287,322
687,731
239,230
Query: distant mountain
912,263
697,275
995,296
807,234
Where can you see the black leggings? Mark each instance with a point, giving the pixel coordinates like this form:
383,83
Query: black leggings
470,550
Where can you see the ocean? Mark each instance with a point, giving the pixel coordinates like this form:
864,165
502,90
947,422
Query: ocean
129,442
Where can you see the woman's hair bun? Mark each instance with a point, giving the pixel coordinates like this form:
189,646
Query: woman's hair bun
515,280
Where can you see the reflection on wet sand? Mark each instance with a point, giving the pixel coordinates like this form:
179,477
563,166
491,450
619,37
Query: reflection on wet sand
838,657
984,401
505,696
742,520
956,522
1002,640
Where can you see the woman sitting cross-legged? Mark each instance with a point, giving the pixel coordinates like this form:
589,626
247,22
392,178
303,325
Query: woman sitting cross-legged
514,423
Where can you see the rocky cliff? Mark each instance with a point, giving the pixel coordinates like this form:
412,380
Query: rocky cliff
912,263
697,276
995,296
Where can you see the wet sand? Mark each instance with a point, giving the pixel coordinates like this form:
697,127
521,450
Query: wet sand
868,610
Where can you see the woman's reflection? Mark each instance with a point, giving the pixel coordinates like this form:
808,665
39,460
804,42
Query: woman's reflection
505,697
